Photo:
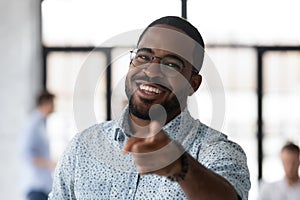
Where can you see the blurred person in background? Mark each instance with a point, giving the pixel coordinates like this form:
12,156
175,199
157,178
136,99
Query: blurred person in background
289,187
36,165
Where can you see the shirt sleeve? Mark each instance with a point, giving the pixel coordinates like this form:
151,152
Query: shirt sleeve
29,142
228,159
63,183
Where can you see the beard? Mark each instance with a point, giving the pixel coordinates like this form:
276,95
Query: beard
142,109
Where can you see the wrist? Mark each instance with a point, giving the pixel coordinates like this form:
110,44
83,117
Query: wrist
180,170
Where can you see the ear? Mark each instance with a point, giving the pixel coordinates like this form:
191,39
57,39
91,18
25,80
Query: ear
195,82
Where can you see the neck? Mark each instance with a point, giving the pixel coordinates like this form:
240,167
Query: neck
137,123
157,113
43,111
145,122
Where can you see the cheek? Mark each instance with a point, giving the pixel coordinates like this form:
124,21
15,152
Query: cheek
180,85
133,71
130,86
290,165
295,165
130,74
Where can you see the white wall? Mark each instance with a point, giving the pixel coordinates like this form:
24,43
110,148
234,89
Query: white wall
20,80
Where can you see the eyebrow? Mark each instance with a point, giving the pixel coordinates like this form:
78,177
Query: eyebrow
145,49
149,50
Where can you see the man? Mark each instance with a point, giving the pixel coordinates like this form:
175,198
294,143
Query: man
289,187
34,146
155,150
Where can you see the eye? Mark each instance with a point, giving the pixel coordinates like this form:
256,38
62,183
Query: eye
172,64
143,57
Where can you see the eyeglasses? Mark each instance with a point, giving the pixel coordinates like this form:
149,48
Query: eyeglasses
170,65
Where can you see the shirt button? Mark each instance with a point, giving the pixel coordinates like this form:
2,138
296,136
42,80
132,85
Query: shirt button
130,191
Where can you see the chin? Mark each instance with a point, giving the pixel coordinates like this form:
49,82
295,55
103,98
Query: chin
141,111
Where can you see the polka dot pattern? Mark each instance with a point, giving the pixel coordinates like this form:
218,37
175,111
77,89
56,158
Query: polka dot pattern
93,165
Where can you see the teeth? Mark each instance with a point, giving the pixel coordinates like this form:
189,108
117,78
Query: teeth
150,89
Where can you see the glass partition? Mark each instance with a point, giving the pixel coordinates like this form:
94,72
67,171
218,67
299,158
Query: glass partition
63,69
281,108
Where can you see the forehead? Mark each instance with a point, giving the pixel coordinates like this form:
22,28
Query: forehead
289,153
169,39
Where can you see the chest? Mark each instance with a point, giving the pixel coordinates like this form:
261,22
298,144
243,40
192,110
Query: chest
106,179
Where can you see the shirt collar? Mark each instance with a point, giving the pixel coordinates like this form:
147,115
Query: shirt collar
176,129
39,115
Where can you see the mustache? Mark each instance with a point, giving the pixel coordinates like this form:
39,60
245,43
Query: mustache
156,80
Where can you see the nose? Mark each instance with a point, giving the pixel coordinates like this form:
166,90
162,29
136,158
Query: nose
156,58
153,69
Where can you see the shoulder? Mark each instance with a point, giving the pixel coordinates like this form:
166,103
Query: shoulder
96,131
225,158
213,140
89,139
94,135
209,135
268,190
215,145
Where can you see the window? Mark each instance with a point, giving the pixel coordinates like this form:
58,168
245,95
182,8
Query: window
281,107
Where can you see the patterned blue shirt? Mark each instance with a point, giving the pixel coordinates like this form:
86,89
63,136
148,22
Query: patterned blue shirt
94,166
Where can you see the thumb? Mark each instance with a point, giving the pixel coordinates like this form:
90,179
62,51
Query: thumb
130,142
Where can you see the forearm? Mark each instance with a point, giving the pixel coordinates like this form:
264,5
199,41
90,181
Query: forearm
202,182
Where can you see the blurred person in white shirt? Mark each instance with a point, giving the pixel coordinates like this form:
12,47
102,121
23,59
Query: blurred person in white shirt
289,187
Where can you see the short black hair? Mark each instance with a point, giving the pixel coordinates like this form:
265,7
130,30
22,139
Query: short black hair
186,27
44,96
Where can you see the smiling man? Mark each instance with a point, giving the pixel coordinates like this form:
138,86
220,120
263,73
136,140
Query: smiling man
155,149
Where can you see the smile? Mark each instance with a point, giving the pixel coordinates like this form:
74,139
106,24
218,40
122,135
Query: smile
150,89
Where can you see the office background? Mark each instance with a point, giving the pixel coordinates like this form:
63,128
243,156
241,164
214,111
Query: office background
254,45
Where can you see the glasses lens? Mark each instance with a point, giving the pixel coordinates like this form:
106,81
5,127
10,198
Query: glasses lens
170,65
143,57
169,71
139,57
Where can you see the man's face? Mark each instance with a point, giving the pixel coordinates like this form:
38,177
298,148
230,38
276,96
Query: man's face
147,85
290,161
49,106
